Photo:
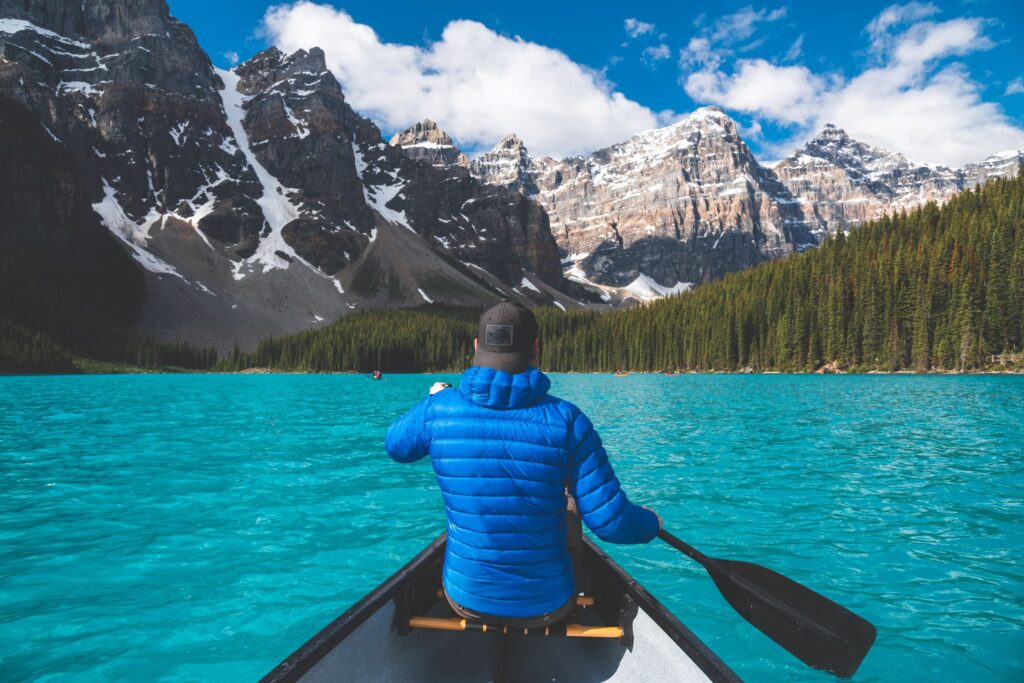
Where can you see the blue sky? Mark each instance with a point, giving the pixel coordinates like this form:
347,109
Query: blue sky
942,82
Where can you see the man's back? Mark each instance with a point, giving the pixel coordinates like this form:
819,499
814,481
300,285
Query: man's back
504,453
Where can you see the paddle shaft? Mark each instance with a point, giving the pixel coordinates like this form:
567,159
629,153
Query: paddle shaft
683,547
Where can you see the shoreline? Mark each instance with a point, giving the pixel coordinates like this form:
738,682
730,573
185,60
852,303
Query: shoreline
264,371
270,371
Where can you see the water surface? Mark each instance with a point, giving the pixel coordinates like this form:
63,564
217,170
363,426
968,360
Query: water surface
201,527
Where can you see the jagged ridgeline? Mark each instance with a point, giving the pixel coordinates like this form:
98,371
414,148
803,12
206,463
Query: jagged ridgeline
937,288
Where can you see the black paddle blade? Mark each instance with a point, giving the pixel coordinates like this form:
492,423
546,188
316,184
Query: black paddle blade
819,632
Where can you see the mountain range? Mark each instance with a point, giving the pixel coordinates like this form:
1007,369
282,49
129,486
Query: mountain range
256,201
684,204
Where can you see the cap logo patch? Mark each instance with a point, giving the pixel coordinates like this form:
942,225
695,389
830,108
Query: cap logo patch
498,335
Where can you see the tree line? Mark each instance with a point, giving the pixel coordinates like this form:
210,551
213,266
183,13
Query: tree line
937,288
45,324
433,338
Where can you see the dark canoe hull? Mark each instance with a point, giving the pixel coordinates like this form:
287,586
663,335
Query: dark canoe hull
369,642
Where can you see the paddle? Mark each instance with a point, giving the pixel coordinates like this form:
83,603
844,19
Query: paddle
819,632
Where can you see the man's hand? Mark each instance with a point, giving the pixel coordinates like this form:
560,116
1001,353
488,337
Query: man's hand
661,522
439,386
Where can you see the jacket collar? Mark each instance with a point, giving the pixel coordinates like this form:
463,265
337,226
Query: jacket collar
500,390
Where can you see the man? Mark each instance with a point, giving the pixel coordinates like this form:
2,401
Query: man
505,453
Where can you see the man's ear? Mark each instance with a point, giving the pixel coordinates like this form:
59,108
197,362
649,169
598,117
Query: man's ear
475,343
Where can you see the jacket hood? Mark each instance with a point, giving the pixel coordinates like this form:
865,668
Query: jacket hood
500,390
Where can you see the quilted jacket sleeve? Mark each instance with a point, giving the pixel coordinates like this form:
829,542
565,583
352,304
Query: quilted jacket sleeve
599,498
407,439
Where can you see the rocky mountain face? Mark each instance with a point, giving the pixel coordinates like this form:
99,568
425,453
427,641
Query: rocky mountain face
1005,164
50,234
255,200
509,164
667,208
840,182
688,202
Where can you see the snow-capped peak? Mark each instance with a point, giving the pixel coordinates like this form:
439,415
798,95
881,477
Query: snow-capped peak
712,113
425,133
703,119
510,141
1006,155
834,145
426,141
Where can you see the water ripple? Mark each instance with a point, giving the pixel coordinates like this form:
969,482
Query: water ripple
202,527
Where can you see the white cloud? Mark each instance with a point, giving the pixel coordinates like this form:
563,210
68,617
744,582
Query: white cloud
657,53
894,16
475,83
913,100
231,56
719,40
733,28
926,41
1015,87
795,50
635,28
699,52
788,94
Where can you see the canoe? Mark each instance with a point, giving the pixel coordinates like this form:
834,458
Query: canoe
404,630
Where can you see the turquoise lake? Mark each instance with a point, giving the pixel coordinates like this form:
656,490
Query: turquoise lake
201,527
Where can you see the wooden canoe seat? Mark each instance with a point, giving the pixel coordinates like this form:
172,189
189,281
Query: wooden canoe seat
563,628
560,629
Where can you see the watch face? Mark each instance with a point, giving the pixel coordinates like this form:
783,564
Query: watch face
498,335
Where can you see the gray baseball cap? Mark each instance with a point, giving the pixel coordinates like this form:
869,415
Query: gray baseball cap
506,337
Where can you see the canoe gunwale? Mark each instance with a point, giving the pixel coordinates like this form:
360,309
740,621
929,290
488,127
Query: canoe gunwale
712,666
316,648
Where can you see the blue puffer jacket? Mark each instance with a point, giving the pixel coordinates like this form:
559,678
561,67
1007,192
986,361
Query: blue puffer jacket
504,452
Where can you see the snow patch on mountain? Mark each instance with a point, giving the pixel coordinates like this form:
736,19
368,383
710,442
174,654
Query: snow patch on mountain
17,25
642,288
87,89
378,196
278,210
526,284
360,161
647,289
134,235
301,129
576,274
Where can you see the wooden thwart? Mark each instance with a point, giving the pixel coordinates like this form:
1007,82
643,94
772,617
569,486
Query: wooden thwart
568,630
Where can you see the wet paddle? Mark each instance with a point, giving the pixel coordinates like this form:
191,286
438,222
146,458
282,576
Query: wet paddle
820,633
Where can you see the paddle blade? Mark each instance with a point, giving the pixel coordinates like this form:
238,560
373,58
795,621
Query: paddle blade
819,632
